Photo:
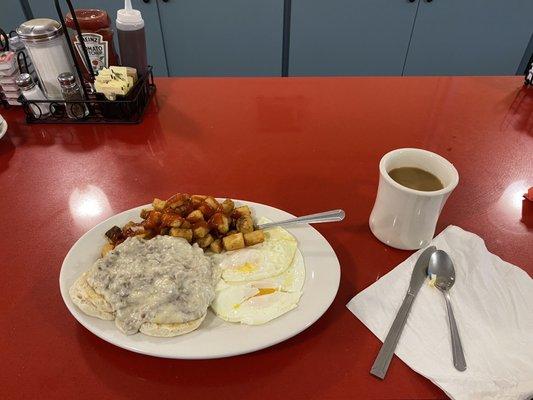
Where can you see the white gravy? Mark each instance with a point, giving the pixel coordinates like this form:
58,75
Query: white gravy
162,280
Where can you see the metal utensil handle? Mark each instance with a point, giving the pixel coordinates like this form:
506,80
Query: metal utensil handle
459,361
328,216
381,364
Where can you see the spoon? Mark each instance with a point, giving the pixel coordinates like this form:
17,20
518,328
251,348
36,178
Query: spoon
328,216
441,266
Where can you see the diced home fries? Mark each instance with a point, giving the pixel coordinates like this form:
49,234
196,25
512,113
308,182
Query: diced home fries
198,219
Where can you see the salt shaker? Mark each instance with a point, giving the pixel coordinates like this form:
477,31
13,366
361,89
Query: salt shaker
31,91
71,92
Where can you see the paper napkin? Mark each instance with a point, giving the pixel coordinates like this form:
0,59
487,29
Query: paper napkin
493,306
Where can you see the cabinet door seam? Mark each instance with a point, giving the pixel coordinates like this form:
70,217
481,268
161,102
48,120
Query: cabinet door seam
162,37
410,37
286,37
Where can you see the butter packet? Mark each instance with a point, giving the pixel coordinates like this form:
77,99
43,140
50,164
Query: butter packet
115,81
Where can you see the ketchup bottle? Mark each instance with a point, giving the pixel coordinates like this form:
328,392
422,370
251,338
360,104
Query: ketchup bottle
97,34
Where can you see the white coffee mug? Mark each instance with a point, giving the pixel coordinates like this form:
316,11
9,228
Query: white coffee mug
406,218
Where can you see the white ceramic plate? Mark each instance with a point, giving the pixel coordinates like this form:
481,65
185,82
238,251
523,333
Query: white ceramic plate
3,127
215,338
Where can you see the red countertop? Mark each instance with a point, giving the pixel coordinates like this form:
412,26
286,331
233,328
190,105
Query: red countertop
299,144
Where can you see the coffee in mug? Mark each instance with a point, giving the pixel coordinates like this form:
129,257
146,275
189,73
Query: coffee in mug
416,178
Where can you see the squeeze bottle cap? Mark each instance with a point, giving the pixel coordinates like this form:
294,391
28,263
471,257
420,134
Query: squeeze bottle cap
129,19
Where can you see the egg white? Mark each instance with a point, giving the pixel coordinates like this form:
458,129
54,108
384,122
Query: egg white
267,259
257,302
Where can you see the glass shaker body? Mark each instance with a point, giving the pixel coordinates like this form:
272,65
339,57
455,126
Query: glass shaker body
51,59
45,41
31,92
38,109
74,110
72,92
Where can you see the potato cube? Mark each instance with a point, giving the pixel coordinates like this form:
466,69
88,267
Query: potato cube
185,209
107,248
178,200
186,225
233,242
206,210
134,229
244,210
211,202
245,224
240,211
114,234
216,246
153,220
227,206
144,235
128,225
159,204
147,234
183,233
205,241
144,213
220,222
195,216
171,219
254,237
200,229
197,199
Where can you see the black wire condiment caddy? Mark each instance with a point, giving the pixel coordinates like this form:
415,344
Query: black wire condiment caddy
127,109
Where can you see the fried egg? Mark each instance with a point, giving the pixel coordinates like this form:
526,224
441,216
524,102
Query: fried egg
252,291
267,259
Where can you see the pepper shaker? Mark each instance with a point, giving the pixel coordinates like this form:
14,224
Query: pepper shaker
71,92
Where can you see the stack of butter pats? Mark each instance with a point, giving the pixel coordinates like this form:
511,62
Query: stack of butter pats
115,81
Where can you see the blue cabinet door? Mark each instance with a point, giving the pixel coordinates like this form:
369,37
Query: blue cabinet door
222,38
469,37
11,15
154,40
350,37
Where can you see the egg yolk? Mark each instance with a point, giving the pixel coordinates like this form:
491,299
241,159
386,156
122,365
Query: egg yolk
264,291
248,267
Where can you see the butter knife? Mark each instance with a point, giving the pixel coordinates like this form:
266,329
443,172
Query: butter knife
418,276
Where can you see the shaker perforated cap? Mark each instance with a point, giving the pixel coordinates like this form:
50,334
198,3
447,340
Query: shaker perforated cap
24,81
66,79
129,19
39,30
